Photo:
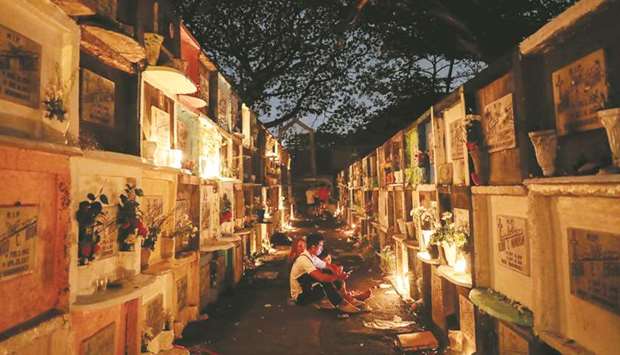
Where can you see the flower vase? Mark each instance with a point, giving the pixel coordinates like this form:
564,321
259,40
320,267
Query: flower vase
545,146
433,251
152,44
610,119
450,253
145,255
149,149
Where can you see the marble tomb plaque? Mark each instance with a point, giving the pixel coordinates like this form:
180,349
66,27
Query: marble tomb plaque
457,140
513,249
97,99
102,342
18,239
155,314
579,91
108,244
20,68
181,293
594,260
498,124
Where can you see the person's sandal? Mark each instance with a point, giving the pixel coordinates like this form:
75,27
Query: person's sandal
324,304
346,307
363,296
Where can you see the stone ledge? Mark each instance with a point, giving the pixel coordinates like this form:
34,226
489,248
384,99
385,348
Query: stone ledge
513,190
22,335
129,290
458,278
595,185
564,345
493,304
28,144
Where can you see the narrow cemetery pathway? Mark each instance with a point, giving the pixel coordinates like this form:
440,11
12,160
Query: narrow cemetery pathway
257,318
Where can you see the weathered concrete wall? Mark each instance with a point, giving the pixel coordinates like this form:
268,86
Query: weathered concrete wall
515,285
58,37
590,325
40,179
89,175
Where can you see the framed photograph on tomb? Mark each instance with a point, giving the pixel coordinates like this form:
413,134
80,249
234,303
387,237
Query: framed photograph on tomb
20,69
102,342
18,239
580,89
97,99
498,124
594,267
513,244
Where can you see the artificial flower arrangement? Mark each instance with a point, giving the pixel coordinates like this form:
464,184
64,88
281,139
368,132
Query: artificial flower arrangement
447,231
57,96
225,209
90,226
130,218
184,231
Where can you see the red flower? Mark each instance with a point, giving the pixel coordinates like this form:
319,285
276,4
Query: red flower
85,250
142,229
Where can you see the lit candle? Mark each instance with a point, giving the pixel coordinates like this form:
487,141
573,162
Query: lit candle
175,158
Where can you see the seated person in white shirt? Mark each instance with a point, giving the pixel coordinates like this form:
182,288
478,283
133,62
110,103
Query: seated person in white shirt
310,285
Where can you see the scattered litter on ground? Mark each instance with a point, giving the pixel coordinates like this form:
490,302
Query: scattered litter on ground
382,324
266,275
236,324
342,316
417,341
267,305
362,345
384,286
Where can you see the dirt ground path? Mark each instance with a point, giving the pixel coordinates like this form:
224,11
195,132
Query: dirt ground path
257,317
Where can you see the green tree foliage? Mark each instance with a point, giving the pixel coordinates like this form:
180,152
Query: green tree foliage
365,67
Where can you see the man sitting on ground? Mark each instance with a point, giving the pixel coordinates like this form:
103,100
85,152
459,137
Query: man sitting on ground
311,285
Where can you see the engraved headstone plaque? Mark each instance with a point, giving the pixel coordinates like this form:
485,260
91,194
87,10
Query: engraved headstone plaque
513,248
97,99
594,259
102,342
20,68
154,317
18,239
498,124
181,293
579,91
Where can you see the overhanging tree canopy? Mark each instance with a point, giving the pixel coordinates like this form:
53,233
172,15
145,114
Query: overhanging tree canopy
353,62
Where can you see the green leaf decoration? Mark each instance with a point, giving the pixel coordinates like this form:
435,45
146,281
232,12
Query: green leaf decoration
139,192
91,197
104,199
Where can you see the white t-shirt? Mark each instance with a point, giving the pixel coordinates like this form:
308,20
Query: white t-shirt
302,265
320,264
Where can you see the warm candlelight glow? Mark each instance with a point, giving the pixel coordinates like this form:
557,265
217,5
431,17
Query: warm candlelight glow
175,158
460,265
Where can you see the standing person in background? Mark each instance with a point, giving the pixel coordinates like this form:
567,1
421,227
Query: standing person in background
310,200
323,194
